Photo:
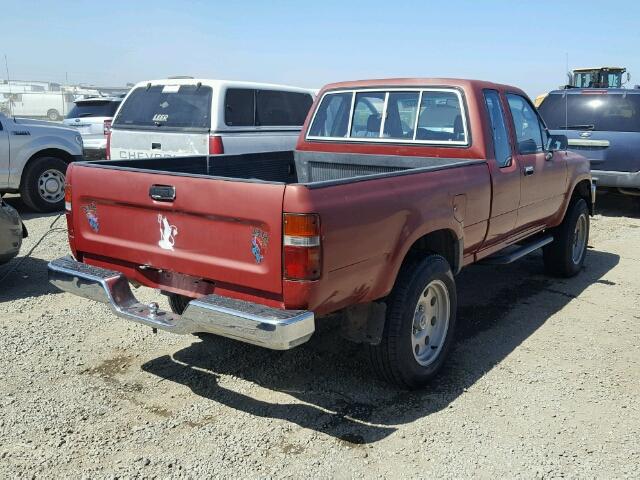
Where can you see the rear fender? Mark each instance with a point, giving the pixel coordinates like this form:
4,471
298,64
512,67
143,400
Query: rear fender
432,239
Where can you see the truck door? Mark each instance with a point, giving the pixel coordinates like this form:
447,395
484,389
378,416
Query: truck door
543,173
505,173
4,153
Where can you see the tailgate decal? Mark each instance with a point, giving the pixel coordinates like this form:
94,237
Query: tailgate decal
91,212
259,242
168,233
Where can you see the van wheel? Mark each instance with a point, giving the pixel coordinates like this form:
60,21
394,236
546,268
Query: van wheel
53,115
419,326
178,303
42,186
565,256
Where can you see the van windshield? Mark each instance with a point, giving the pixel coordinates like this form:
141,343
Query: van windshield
167,107
611,112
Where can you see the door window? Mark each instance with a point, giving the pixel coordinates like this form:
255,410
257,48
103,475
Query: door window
527,125
498,128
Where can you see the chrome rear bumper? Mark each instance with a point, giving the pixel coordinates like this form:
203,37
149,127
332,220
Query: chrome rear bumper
245,321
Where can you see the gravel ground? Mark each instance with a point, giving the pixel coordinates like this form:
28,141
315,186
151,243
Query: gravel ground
543,382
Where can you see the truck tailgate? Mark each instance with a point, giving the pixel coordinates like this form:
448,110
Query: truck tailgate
222,230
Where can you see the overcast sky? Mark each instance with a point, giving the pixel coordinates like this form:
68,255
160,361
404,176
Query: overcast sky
314,43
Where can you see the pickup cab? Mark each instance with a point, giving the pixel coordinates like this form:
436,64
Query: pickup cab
394,186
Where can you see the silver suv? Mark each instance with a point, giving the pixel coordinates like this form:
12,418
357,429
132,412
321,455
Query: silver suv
92,118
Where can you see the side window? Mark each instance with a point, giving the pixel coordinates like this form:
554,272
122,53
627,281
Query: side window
275,108
498,128
527,125
367,114
440,117
400,119
239,107
332,116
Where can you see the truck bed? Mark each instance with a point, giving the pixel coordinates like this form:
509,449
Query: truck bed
314,169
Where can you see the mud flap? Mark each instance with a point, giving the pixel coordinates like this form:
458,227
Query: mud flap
364,323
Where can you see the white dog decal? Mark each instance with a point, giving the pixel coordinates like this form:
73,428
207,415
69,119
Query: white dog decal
168,233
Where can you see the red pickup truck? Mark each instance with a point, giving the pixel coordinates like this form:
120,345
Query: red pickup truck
394,186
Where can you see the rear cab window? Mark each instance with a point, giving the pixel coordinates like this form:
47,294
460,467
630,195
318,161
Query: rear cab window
412,115
97,108
598,111
246,107
182,107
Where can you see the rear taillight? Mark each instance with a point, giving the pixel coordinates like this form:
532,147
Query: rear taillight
67,197
301,250
215,145
108,147
106,128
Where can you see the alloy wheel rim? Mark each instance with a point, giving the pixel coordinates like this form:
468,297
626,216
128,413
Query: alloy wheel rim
51,185
430,323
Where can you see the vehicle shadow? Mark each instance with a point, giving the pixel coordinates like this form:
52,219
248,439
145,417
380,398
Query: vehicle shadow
612,204
326,384
25,212
24,277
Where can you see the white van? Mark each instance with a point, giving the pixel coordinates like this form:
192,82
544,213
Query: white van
186,116
49,105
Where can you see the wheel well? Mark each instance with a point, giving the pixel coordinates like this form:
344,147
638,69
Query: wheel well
48,152
442,242
583,190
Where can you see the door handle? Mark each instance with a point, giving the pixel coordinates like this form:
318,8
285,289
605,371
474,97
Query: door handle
163,193
529,171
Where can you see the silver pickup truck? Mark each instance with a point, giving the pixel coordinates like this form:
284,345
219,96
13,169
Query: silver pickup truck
34,156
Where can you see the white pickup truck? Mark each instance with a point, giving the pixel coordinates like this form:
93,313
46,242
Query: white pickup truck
34,156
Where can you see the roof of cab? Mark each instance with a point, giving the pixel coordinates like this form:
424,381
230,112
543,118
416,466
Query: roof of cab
595,91
419,82
217,83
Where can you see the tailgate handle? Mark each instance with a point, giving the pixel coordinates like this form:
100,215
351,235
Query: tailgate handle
163,193
155,146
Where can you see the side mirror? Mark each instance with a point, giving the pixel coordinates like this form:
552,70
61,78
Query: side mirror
557,142
527,146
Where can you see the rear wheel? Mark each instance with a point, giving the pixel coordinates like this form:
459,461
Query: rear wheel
178,303
42,186
565,256
419,326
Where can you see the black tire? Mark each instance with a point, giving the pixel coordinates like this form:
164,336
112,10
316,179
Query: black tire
31,187
559,258
393,359
53,115
178,303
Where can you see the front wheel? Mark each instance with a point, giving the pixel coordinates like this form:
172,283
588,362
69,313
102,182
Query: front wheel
419,326
42,186
565,256
53,115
